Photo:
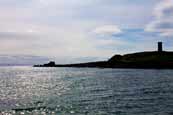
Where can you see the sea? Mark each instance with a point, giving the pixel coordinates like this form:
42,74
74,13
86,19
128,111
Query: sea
85,91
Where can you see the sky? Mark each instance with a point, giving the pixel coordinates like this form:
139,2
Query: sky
70,31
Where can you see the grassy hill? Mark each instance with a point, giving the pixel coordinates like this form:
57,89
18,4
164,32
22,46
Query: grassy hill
144,57
153,59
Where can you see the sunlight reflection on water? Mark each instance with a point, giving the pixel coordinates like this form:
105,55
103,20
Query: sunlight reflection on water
80,91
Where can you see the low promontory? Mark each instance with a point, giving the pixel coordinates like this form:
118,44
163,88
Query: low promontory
151,59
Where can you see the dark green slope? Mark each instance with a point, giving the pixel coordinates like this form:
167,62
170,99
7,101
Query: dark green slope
144,57
153,59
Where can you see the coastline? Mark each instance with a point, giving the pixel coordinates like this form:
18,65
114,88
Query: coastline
141,60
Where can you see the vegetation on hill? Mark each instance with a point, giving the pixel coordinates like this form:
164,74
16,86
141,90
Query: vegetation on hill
144,57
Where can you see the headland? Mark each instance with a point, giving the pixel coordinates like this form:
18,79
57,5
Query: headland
143,60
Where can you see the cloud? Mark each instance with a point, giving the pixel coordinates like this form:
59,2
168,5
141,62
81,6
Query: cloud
50,41
163,22
107,30
61,29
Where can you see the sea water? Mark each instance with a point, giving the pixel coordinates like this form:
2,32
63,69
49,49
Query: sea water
85,91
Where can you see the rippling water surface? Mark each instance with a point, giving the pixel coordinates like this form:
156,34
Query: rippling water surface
85,91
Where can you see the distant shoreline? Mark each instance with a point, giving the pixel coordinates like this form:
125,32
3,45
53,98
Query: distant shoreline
13,65
139,60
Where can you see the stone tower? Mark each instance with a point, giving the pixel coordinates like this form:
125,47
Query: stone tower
160,48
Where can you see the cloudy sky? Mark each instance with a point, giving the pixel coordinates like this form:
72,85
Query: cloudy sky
83,30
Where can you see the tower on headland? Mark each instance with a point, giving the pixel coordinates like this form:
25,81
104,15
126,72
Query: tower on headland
160,48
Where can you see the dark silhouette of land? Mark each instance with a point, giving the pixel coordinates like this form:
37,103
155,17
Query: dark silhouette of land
153,59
